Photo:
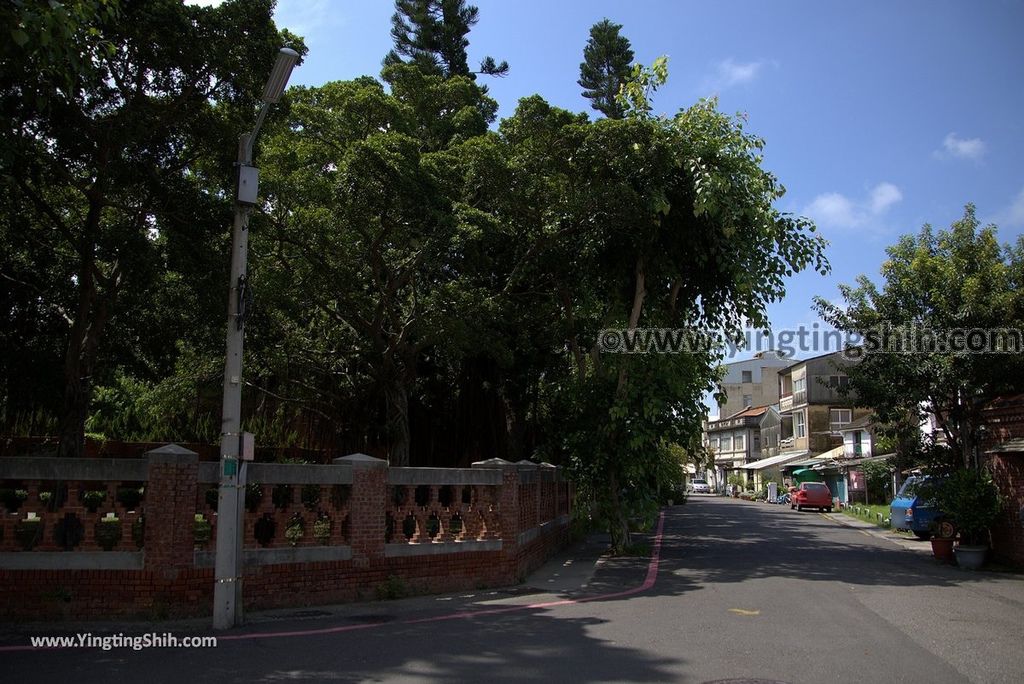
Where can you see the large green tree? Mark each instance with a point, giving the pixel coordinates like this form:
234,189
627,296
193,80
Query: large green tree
643,222
607,65
111,149
936,286
365,227
432,35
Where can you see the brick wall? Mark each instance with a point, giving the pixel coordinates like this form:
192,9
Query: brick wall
1005,422
172,580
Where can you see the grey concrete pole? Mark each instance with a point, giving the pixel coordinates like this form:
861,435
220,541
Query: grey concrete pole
227,592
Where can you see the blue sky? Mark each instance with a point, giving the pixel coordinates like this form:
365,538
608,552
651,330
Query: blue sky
879,116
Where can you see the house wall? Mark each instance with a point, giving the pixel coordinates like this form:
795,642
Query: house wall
1005,421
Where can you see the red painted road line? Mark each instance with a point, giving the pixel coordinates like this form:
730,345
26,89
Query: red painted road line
648,583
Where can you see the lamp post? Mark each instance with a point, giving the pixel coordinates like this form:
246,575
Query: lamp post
234,445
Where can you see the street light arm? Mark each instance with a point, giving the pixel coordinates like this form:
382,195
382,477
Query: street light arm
247,160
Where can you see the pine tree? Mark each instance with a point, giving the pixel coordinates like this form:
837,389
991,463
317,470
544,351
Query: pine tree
607,58
432,35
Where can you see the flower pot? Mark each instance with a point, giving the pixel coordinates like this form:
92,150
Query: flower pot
970,557
942,549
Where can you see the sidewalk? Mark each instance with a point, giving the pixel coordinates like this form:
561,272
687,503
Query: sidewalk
569,573
908,543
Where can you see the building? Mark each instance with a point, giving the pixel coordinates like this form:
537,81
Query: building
814,405
812,413
753,382
858,438
742,438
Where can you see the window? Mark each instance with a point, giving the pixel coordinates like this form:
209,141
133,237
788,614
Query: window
748,400
799,426
757,442
799,391
857,447
838,418
738,443
839,382
747,376
714,443
727,443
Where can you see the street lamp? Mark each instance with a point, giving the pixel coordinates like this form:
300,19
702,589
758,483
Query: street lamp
236,446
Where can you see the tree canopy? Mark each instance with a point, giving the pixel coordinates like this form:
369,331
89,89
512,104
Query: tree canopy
937,287
431,34
606,67
429,288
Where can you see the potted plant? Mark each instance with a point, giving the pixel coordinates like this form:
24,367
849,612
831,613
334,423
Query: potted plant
943,533
971,502
93,499
29,532
108,532
736,483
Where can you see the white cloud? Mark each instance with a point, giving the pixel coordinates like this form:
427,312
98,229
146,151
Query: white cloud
729,73
835,210
883,196
962,148
307,17
1013,215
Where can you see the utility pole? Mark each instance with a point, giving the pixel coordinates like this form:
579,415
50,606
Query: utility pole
236,446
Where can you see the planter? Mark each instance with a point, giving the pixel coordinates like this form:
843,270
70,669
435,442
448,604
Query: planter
970,557
942,549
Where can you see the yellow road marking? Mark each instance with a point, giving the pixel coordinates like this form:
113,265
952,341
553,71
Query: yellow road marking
740,611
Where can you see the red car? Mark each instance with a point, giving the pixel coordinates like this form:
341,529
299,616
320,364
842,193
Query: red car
811,495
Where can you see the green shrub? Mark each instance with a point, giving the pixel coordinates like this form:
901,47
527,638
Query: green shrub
108,533
971,499
202,530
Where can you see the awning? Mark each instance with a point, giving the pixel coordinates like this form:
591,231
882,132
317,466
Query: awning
775,460
854,462
1011,446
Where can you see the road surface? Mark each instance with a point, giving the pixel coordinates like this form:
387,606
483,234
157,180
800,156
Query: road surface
734,591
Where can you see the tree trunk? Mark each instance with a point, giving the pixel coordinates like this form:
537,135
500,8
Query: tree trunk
91,318
618,519
398,424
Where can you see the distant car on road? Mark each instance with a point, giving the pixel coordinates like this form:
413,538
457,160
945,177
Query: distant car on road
700,487
811,495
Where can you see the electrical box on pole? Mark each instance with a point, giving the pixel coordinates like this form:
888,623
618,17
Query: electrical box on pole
248,184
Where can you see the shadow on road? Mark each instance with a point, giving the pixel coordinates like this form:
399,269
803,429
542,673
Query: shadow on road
714,540
521,646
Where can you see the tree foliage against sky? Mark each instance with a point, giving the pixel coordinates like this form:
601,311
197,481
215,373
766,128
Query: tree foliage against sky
428,288
955,279
607,65
432,35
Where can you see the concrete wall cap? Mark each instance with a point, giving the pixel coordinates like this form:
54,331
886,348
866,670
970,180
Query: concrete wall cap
172,453
360,460
493,463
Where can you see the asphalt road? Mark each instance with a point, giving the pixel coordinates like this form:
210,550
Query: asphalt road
735,591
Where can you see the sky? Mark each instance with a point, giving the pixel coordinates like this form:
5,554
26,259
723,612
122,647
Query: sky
878,116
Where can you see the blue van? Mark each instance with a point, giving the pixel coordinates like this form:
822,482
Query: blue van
909,512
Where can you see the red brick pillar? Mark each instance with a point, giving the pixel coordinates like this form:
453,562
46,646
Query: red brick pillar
367,508
507,516
170,508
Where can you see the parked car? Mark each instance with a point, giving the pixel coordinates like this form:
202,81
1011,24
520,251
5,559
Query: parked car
811,495
911,511
700,487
